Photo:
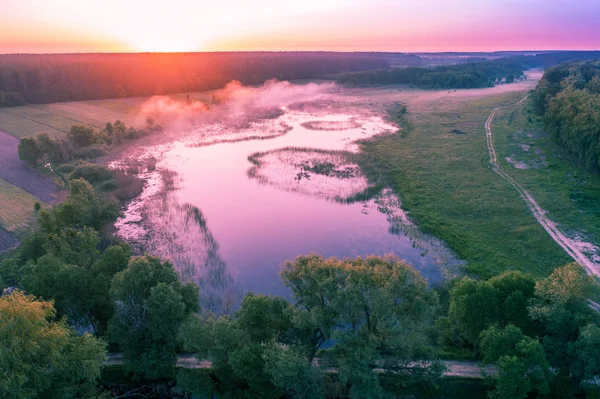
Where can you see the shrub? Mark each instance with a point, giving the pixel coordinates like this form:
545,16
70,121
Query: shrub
66,168
129,185
92,173
109,185
94,151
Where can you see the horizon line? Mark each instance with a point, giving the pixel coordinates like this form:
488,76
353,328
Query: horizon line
307,51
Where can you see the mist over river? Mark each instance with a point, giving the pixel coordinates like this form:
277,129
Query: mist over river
228,201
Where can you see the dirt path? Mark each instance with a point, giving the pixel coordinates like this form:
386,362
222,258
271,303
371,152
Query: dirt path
454,368
570,246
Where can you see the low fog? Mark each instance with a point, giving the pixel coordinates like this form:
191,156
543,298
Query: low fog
234,102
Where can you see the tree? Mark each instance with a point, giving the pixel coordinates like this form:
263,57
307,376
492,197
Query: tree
83,207
473,307
81,135
41,357
515,290
586,353
29,151
376,310
561,306
521,362
151,304
50,148
120,131
240,347
76,275
501,300
290,372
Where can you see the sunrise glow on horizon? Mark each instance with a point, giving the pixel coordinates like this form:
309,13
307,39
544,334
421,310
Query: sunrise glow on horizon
38,26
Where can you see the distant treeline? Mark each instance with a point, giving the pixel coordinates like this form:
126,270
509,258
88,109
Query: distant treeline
483,73
568,98
73,77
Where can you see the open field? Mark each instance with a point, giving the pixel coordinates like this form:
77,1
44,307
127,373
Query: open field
56,118
16,212
439,165
569,193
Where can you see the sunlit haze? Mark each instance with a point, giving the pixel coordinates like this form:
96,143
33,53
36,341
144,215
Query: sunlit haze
41,26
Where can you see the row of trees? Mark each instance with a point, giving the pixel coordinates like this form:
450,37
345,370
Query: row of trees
568,99
481,73
462,76
81,142
74,77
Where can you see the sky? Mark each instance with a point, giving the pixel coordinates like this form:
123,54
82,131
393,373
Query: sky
57,26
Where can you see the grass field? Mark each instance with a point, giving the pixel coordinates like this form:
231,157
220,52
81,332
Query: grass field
439,165
57,118
16,212
562,187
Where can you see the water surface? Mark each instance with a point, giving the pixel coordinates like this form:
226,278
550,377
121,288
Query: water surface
228,212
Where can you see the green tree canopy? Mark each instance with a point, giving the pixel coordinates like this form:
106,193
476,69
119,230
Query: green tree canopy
475,305
151,304
29,151
376,310
83,207
42,357
76,275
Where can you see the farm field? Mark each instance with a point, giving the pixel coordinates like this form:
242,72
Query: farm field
16,212
439,165
56,118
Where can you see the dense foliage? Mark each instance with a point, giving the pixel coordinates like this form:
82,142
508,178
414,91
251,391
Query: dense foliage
151,304
72,77
372,312
41,356
462,76
568,98
484,73
540,335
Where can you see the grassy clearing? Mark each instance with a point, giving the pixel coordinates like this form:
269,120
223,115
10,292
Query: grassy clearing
445,182
16,212
570,194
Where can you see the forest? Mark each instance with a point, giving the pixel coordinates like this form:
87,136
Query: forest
461,76
46,78
363,327
484,73
49,78
568,100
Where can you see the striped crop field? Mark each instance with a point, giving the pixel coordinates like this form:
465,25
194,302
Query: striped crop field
16,212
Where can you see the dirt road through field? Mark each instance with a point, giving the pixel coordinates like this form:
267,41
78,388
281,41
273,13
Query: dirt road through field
571,247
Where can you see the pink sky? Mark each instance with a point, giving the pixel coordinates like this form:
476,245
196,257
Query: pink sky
343,25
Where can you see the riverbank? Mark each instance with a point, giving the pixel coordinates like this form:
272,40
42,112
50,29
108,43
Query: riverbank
441,167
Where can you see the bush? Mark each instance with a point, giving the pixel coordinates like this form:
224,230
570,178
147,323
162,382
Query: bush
94,151
129,185
92,173
65,168
109,185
